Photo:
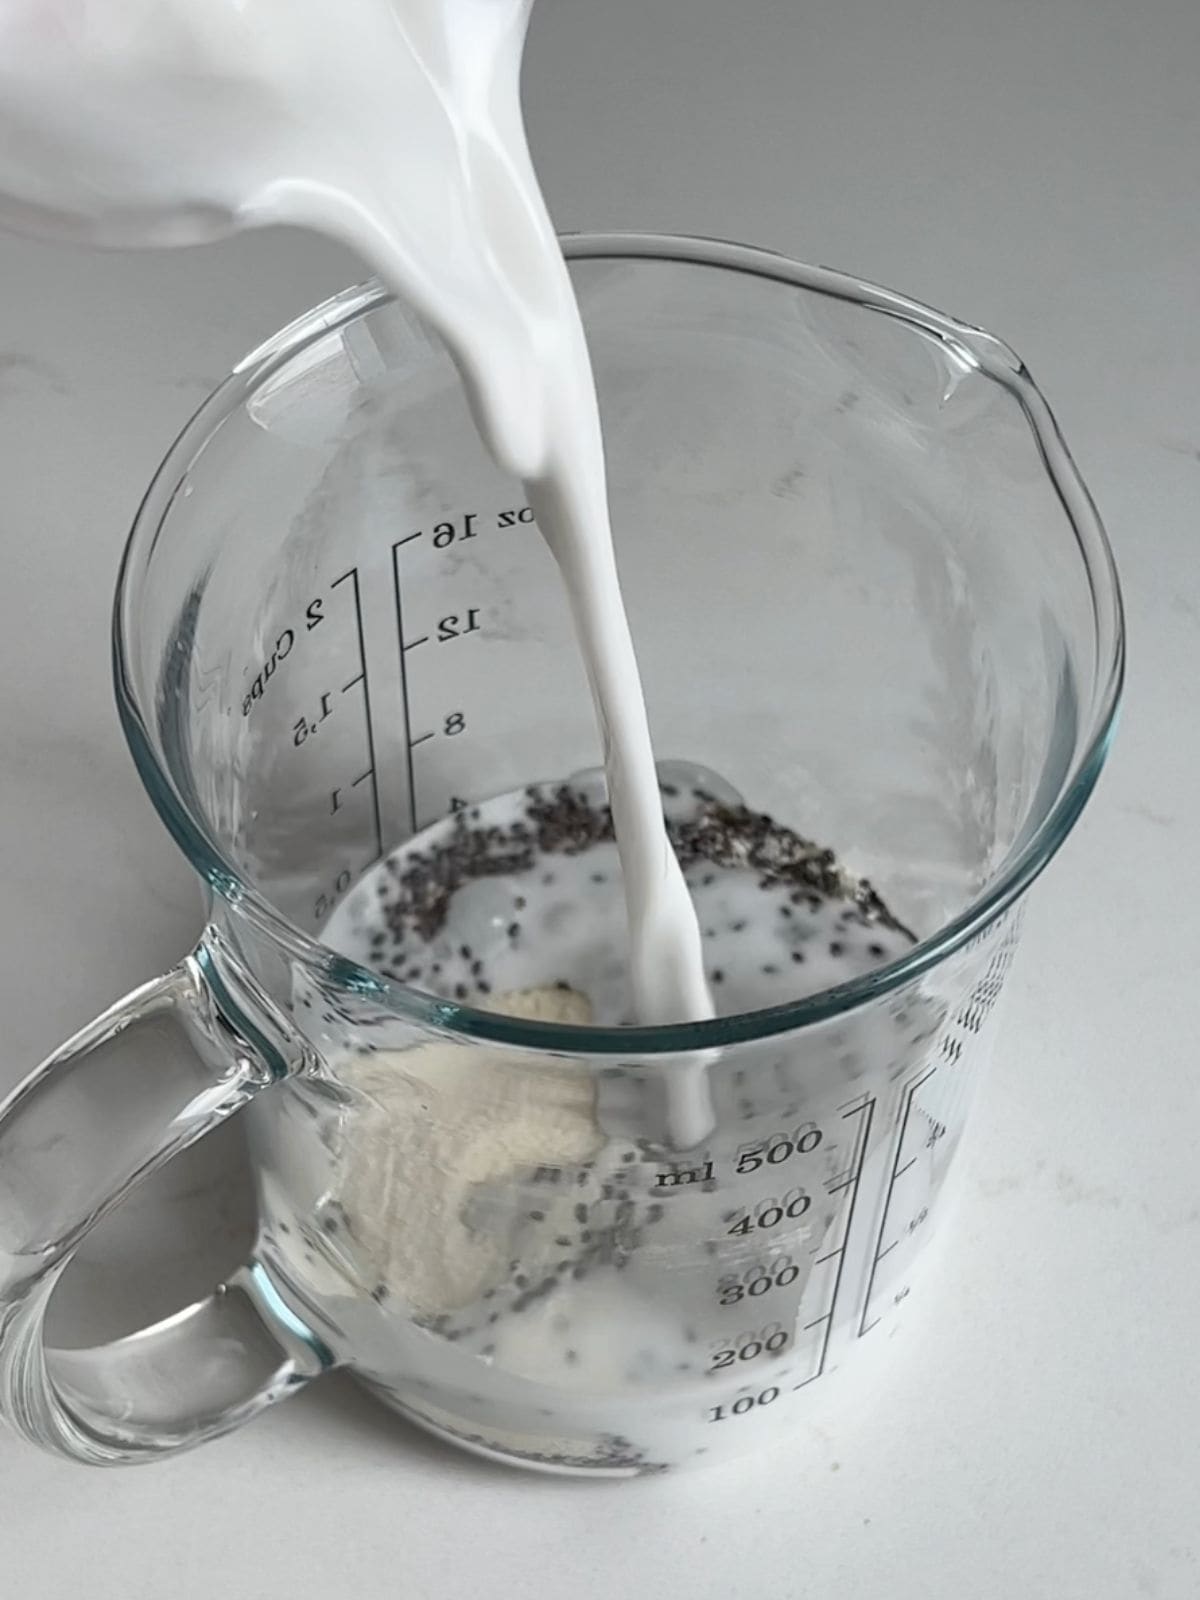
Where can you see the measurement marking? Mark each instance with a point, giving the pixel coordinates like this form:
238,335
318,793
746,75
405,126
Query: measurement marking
796,1387
412,781
924,1078
346,687
907,1165
864,1136
845,1184
362,777
874,1323
352,577
409,539
851,1108
909,1096
413,743
888,1251
413,643
862,1140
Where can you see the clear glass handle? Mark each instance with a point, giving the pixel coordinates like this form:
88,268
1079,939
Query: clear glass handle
145,1080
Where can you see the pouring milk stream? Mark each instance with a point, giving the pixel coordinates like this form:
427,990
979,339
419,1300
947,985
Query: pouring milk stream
394,125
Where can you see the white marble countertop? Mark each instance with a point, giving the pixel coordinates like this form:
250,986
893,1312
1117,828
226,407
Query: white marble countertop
1034,168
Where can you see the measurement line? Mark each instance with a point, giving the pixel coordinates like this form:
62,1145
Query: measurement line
864,1140
864,1133
874,1323
412,781
909,1095
352,577
362,777
413,643
413,743
346,687
924,1078
907,1165
888,1251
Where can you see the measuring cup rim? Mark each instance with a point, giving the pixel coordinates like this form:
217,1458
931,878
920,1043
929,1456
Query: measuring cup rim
972,347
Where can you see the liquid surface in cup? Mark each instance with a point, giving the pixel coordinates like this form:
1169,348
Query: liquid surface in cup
524,892
396,125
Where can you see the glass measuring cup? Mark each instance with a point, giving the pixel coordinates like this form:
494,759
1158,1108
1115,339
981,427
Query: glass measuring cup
868,590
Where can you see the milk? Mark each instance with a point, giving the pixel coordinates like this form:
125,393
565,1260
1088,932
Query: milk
394,125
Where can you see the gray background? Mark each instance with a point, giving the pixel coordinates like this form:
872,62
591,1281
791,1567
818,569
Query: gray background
1030,165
